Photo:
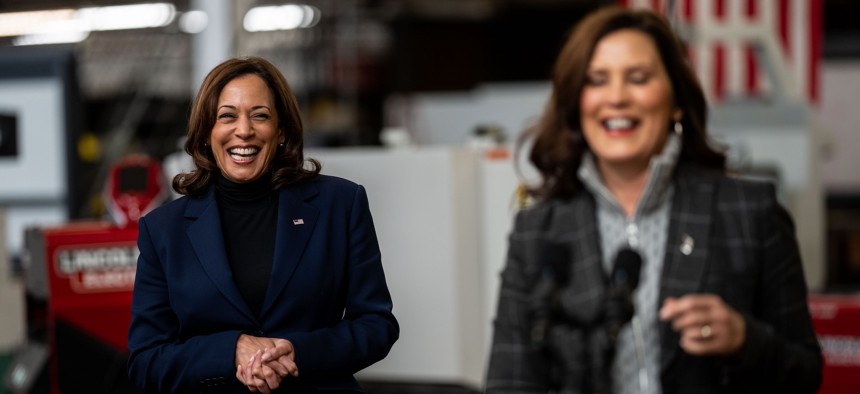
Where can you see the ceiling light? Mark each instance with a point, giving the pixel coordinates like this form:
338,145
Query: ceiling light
68,25
311,17
21,23
284,17
122,17
50,38
193,22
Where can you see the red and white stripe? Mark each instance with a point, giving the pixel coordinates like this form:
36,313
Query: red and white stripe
729,68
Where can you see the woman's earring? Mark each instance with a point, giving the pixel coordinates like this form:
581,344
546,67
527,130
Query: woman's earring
679,128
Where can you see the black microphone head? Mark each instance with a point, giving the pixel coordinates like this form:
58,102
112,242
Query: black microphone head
626,270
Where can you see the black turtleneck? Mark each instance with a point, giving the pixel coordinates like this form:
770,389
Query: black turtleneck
249,219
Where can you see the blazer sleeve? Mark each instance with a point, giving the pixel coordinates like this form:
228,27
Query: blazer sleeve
368,329
158,361
515,366
781,353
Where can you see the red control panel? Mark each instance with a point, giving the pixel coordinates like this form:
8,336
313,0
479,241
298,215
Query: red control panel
91,277
90,269
837,324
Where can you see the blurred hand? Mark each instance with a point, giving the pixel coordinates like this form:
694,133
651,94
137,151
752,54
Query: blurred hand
261,363
708,326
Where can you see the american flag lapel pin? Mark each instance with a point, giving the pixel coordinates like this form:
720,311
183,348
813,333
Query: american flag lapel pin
297,222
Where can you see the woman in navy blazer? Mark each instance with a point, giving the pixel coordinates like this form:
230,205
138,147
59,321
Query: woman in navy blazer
266,276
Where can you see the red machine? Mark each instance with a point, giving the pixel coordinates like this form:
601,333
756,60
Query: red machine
90,269
837,324
134,187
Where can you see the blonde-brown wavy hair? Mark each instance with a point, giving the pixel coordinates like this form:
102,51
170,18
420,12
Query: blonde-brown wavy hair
558,142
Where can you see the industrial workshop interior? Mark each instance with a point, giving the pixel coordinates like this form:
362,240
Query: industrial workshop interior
422,102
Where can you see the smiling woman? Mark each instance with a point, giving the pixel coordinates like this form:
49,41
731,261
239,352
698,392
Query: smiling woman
245,99
627,104
628,170
246,136
266,276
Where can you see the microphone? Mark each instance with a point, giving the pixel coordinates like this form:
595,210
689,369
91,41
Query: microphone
622,283
552,335
618,311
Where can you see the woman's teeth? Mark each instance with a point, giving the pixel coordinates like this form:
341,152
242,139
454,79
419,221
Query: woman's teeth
618,123
243,154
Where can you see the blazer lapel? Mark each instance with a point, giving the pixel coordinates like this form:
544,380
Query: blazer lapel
296,222
208,243
687,245
576,225
591,275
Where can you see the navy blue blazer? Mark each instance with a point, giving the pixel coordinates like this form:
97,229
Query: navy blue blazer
327,294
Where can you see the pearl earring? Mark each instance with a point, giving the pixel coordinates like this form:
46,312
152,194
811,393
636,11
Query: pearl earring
679,128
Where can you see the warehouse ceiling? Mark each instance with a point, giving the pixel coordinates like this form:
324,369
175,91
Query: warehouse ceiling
158,61
405,34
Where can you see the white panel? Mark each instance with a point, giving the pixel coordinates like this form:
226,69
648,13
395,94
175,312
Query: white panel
839,117
449,118
38,170
12,327
21,217
442,118
424,209
498,206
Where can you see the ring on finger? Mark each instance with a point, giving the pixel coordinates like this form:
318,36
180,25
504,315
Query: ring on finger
706,331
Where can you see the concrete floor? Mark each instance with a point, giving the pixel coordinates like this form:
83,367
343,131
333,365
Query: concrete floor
414,388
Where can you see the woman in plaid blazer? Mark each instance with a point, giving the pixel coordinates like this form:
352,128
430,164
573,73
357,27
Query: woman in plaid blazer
626,163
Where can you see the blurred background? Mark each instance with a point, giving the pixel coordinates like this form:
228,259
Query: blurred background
419,100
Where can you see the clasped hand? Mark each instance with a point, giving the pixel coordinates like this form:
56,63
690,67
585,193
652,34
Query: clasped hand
262,363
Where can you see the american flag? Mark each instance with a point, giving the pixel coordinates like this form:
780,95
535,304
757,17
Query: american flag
729,68
297,222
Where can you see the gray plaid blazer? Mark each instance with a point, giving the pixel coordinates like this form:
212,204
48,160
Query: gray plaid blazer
744,250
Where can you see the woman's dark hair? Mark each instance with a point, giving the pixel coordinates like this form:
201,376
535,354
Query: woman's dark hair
288,166
558,142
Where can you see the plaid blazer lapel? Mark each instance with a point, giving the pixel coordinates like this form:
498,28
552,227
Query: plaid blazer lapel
687,245
577,227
